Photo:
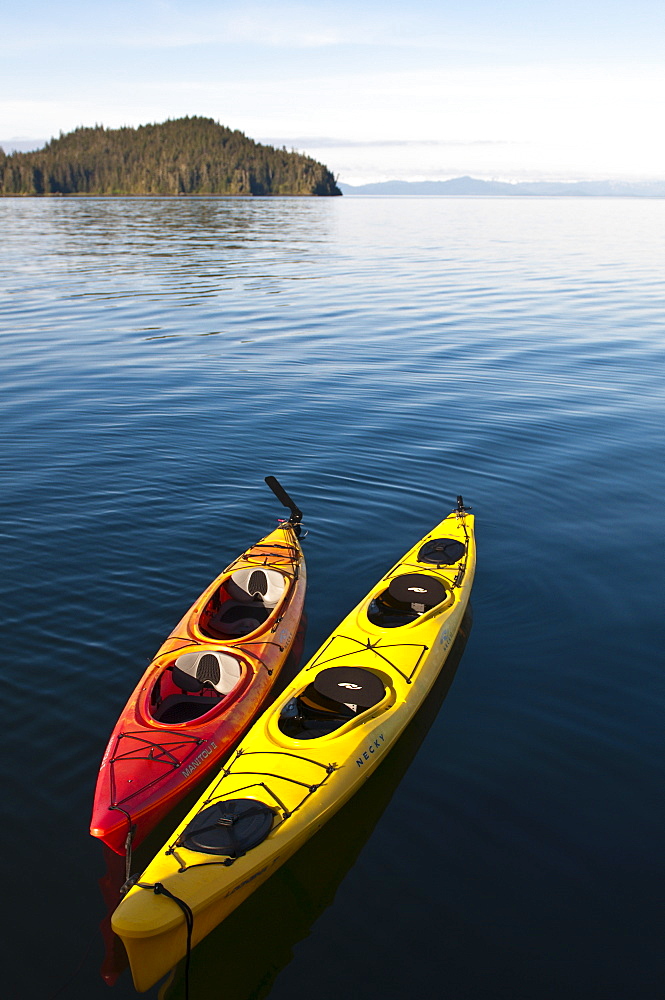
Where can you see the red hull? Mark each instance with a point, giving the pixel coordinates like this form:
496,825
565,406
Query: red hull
156,752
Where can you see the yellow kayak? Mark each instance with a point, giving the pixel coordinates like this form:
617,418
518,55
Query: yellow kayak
307,754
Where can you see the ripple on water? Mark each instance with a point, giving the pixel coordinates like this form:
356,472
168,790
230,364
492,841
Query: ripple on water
379,357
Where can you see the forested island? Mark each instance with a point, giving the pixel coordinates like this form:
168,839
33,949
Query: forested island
194,156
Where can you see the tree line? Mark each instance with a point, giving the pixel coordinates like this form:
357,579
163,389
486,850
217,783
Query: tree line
177,157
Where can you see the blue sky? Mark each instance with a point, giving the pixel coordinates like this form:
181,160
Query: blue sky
557,89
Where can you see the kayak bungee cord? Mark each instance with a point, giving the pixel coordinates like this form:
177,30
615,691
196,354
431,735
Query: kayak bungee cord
161,890
367,645
215,797
146,751
328,768
179,740
290,554
248,652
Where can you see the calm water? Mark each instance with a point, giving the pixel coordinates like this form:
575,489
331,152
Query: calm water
160,357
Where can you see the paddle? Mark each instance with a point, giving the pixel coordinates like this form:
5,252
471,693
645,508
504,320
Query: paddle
284,499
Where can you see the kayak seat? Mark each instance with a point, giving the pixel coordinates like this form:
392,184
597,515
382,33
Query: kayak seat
253,584
301,719
217,669
183,708
387,613
253,592
238,619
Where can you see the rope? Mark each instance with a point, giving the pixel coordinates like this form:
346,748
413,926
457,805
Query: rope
128,841
161,890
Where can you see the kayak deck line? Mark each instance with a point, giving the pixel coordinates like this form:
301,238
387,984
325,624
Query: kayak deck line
192,644
146,751
367,646
289,556
310,789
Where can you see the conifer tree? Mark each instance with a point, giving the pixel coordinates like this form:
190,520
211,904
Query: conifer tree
178,157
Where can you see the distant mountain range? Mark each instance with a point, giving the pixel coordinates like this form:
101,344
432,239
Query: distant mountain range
472,186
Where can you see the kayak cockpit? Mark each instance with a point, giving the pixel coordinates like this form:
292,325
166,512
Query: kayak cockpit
406,599
335,696
194,684
243,602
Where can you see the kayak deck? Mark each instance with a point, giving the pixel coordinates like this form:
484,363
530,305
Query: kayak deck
201,691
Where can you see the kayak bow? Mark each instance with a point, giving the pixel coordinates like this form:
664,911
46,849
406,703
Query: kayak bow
206,684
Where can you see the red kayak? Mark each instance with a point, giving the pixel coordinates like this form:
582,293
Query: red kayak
206,684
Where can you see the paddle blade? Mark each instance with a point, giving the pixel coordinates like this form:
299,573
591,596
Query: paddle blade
284,499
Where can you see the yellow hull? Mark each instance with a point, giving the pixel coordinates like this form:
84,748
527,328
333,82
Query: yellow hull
301,781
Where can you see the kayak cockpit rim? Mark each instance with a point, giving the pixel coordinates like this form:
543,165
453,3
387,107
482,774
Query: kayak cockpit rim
193,684
315,712
243,602
406,600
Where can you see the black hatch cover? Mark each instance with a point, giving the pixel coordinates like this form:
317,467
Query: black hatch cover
231,827
442,551
416,588
350,686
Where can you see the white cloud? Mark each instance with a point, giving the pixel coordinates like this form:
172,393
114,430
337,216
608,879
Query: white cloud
154,25
498,122
406,95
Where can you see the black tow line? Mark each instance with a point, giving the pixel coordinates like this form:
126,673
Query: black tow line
161,890
129,840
